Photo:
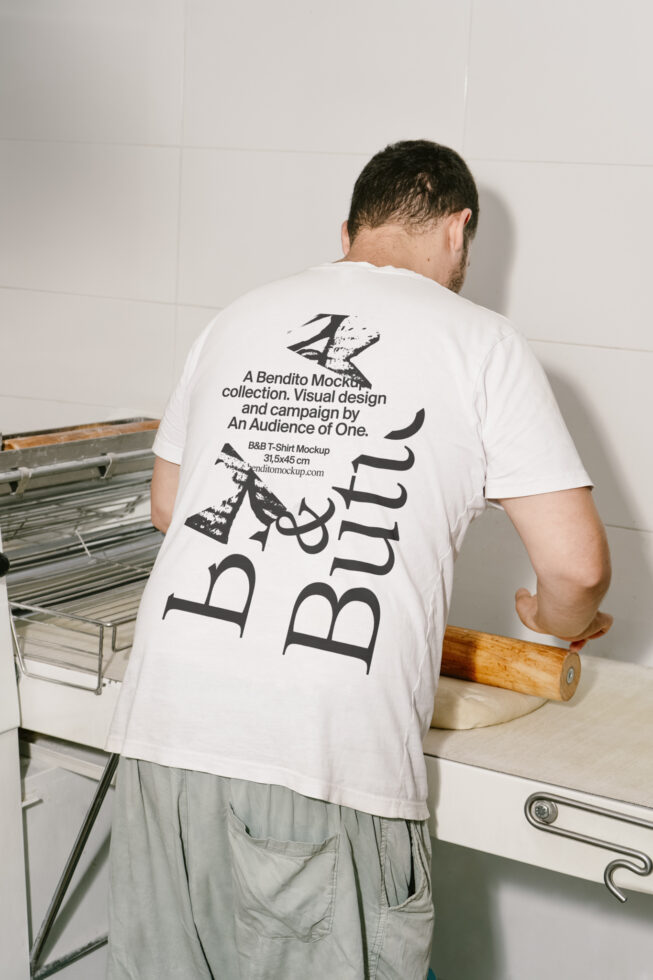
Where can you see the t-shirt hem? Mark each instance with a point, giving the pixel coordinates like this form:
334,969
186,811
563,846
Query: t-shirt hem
317,788
166,450
493,491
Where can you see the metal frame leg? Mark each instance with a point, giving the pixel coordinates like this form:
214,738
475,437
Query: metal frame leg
64,882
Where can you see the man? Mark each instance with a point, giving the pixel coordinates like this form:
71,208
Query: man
329,442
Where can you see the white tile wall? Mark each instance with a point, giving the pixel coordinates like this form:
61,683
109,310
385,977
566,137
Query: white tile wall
88,70
132,347
27,414
249,217
564,250
191,320
89,218
561,81
605,397
484,600
348,77
629,597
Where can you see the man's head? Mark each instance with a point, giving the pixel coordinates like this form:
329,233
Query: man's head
414,204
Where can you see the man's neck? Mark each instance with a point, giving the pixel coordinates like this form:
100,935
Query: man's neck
416,253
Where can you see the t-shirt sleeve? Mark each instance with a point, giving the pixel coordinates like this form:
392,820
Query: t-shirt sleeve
171,434
527,446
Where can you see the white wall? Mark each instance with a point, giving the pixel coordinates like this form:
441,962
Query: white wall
159,157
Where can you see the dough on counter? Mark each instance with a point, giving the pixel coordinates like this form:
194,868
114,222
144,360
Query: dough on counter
468,704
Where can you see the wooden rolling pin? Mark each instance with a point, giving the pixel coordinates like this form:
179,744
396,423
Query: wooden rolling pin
518,665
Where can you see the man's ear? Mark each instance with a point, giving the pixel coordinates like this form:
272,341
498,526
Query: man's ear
456,229
344,238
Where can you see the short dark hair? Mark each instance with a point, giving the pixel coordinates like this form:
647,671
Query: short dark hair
413,182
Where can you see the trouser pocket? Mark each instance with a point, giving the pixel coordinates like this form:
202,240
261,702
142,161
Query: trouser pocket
283,888
407,899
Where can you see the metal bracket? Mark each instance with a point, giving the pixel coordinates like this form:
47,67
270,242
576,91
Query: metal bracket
541,811
106,469
17,487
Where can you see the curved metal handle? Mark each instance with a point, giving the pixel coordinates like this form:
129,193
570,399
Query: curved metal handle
621,863
545,803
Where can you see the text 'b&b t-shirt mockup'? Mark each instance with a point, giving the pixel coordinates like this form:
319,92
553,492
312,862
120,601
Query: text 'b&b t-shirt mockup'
337,432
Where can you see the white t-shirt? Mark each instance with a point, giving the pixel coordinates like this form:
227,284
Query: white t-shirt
337,432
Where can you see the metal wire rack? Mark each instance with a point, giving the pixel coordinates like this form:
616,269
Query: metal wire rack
81,547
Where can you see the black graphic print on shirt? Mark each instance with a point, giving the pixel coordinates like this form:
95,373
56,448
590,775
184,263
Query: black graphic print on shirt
343,338
361,532
217,521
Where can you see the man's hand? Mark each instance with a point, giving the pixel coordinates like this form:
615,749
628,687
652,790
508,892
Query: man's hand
527,610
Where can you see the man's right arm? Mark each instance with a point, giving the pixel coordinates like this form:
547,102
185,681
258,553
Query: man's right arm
567,545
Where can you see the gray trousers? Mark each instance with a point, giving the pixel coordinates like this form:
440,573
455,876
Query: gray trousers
226,879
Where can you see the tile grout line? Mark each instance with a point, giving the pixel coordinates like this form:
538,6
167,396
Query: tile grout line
635,530
203,306
175,334
365,154
53,401
467,66
562,163
574,343
318,152
117,299
103,296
